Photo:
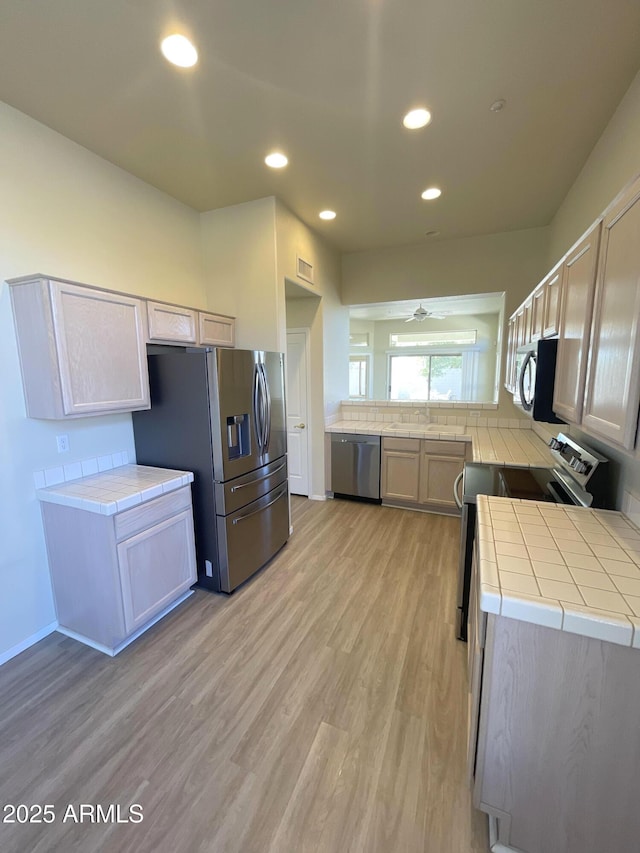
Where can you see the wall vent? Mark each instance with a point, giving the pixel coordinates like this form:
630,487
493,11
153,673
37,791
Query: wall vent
304,270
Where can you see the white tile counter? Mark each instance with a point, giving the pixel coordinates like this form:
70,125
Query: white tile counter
564,567
109,492
520,448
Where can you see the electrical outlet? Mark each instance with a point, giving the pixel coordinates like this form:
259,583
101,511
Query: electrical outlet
474,414
63,443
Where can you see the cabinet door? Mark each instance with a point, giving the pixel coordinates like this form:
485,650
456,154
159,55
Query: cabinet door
579,275
156,566
552,299
613,384
100,340
537,312
520,327
215,330
437,476
526,322
510,365
171,323
400,475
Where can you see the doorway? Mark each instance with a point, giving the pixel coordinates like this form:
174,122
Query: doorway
298,437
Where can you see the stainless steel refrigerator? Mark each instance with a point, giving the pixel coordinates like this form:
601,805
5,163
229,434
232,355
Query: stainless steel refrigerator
221,414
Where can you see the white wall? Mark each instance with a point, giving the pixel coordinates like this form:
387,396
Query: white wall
68,213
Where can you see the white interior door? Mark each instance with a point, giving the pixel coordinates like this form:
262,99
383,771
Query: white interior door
297,413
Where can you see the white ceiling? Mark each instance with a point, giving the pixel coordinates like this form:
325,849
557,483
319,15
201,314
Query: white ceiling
481,303
328,81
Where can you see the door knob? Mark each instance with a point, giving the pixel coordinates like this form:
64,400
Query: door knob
299,426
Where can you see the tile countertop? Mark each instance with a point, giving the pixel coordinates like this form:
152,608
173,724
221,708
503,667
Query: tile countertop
520,448
113,491
564,567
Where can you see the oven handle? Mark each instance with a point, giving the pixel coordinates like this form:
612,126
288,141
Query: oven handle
457,492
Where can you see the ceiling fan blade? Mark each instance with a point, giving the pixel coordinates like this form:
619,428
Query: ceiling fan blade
410,319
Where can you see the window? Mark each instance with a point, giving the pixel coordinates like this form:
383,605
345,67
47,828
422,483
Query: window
426,377
359,339
449,338
358,376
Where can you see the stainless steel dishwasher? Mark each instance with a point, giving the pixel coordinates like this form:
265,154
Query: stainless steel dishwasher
355,465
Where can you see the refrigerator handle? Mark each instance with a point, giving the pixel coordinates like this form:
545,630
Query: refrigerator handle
257,407
267,420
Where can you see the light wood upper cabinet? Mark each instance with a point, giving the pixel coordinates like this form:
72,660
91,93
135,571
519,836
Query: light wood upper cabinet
172,323
578,284
551,317
82,349
537,312
216,330
510,365
613,383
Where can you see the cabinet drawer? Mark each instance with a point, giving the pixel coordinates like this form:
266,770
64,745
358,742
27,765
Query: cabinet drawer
145,515
410,444
444,448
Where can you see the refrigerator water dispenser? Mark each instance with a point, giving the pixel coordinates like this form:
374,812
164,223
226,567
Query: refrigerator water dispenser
238,436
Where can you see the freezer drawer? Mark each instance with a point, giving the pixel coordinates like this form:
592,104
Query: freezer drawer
355,465
248,538
236,493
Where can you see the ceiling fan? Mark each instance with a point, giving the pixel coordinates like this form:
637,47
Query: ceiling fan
421,314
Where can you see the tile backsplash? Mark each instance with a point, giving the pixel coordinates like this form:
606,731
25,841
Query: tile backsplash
75,470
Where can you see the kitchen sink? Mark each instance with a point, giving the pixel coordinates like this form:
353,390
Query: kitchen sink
452,429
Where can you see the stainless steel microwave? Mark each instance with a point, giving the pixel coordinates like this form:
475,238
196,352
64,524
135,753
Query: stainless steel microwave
535,378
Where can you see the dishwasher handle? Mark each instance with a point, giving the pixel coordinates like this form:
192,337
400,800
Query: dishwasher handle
457,491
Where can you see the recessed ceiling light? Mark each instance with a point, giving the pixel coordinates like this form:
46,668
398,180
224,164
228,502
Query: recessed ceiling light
276,160
179,50
416,118
431,193
497,106
327,214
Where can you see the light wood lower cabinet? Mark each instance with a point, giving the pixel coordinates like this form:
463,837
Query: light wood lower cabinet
421,472
400,474
554,741
113,574
438,471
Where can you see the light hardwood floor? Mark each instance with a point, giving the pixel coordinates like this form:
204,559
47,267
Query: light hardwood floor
321,707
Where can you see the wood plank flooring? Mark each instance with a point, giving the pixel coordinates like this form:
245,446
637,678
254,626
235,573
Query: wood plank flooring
321,707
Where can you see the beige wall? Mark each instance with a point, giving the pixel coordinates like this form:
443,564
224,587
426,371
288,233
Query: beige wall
325,317
239,252
496,262
614,161
68,213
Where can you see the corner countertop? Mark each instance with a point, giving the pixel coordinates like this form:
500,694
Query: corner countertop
113,491
517,447
564,567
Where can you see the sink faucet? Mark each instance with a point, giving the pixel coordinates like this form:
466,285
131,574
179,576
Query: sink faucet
423,416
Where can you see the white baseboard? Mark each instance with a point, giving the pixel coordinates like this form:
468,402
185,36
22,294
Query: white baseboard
317,497
113,652
30,641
